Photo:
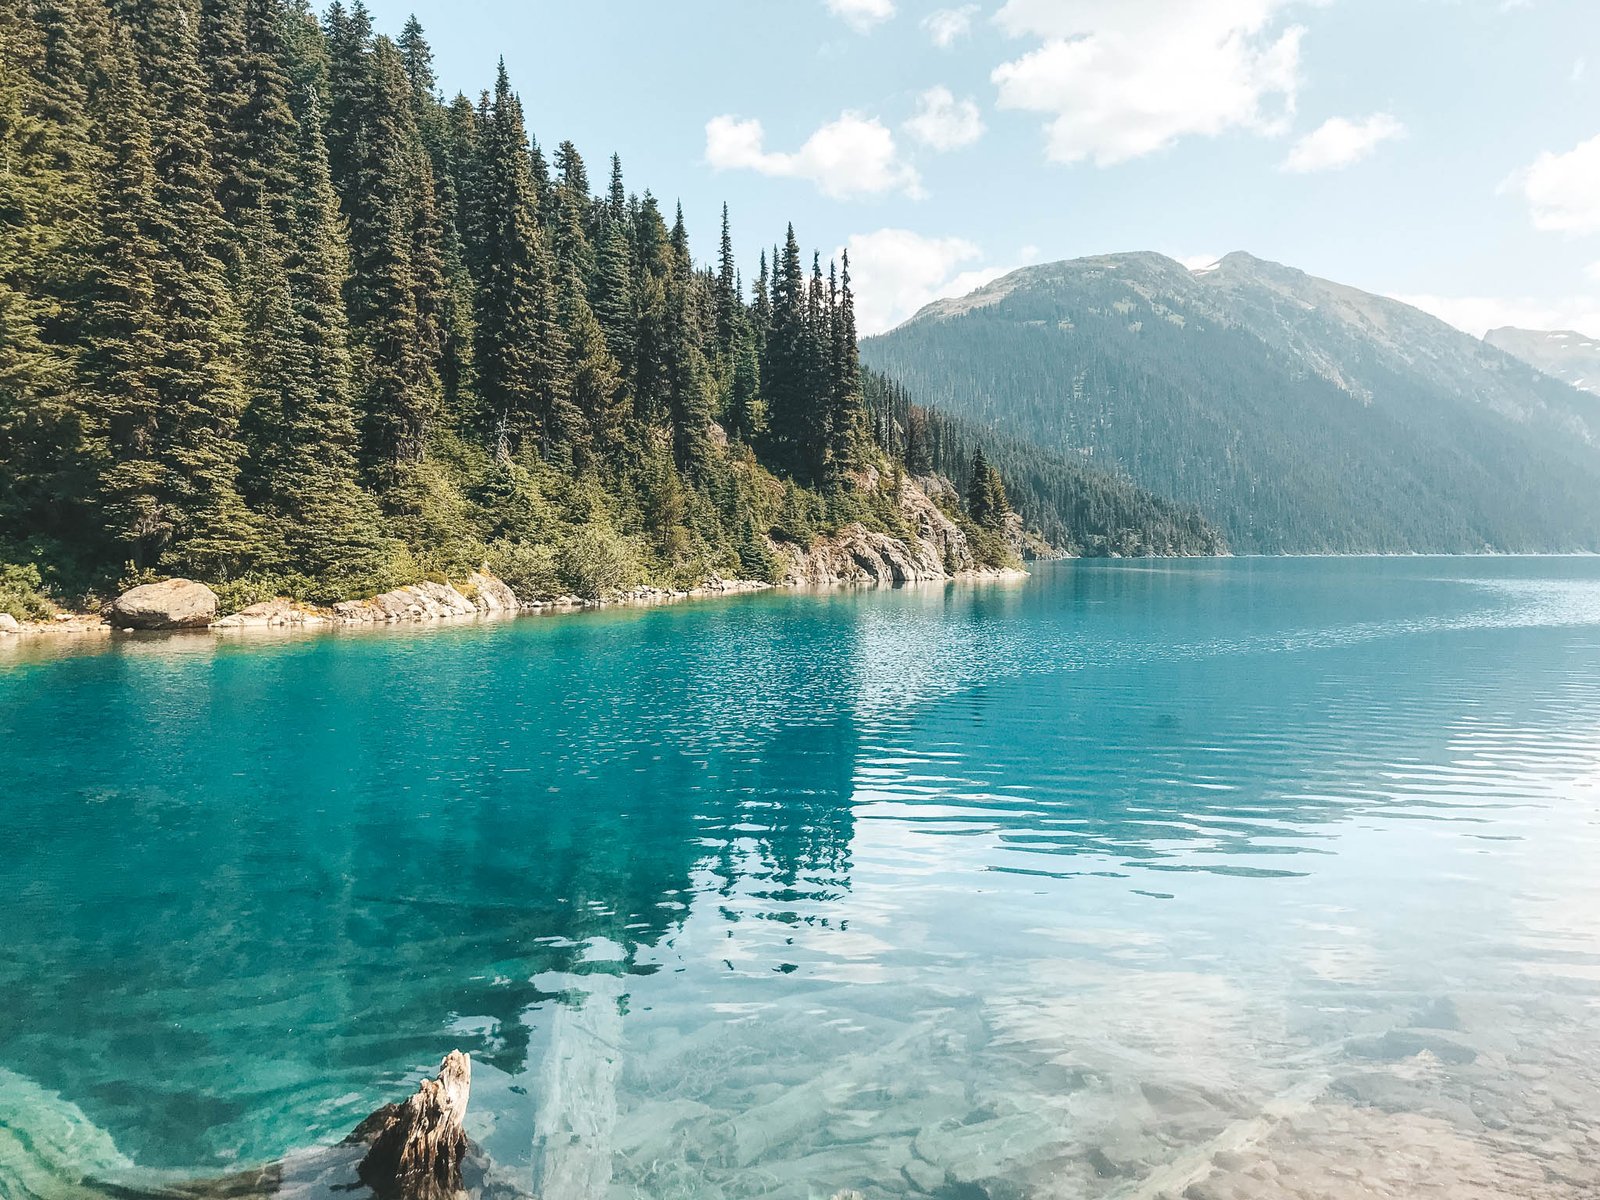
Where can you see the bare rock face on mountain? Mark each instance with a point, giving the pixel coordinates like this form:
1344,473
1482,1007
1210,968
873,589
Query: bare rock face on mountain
170,604
936,547
1299,414
1560,353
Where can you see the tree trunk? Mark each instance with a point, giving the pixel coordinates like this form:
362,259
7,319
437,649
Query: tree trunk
415,1148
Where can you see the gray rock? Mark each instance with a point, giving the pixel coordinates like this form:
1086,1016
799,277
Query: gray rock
170,604
8,623
492,595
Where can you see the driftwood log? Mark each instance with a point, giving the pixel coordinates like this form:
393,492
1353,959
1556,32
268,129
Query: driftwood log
415,1148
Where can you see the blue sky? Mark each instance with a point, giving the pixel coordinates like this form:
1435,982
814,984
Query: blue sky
1445,151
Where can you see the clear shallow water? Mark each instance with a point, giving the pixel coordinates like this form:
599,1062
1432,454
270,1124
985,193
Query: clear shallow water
1234,877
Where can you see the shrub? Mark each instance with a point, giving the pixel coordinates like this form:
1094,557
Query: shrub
22,592
597,561
529,570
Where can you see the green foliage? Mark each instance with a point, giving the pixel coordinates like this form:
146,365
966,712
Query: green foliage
531,570
278,316
596,561
22,592
1074,506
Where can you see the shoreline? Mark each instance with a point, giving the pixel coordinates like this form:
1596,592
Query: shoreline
432,605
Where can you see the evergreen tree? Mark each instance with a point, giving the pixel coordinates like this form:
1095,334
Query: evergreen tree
348,36
730,307
793,423
395,267
612,294
302,417
171,493
523,352
845,424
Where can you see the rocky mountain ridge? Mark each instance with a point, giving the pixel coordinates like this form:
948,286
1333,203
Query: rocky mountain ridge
1563,354
1301,414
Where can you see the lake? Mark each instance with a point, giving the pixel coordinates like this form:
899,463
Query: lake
1240,878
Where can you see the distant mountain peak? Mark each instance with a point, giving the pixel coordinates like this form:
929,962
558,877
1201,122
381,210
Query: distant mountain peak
1564,354
1302,413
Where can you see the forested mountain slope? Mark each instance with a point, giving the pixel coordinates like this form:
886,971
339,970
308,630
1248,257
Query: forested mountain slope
1077,507
1301,415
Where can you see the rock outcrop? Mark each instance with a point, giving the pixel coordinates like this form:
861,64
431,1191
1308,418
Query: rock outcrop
170,604
272,614
8,623
936,547
480,594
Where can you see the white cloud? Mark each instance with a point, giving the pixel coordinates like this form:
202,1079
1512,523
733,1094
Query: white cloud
862,15
943,122
948,26
896,272
1563,190
1479,314
1340,141
853,156
1125,78
1592,272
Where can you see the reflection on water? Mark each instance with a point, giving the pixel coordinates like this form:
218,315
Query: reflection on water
1215,879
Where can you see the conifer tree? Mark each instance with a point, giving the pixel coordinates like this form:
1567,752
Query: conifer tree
792,423
845,424
611,297
395,267
51,59
172,491
523,352
348,38
302,415
730,306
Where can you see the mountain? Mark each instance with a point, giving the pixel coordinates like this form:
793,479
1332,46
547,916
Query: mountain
1568,356
1299,414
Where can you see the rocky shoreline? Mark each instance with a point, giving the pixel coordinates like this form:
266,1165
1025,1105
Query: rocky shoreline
935,549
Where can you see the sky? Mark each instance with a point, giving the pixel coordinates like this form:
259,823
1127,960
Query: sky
1446,152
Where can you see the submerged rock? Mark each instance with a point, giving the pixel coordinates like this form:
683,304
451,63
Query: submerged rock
170,604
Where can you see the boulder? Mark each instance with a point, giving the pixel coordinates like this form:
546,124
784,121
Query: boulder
8,623
170,604
492,594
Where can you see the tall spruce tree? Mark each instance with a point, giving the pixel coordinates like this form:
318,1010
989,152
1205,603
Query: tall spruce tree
302,416
395,269
523,353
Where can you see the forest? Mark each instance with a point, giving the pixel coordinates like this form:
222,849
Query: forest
281,317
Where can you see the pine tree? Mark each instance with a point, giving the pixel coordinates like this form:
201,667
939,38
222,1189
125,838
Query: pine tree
730,306
611,297
172,490
986,494
395,268
846,420
787,373
51,62
302,415
523,352
349,44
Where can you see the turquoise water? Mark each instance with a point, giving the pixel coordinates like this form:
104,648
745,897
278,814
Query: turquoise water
1218,875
